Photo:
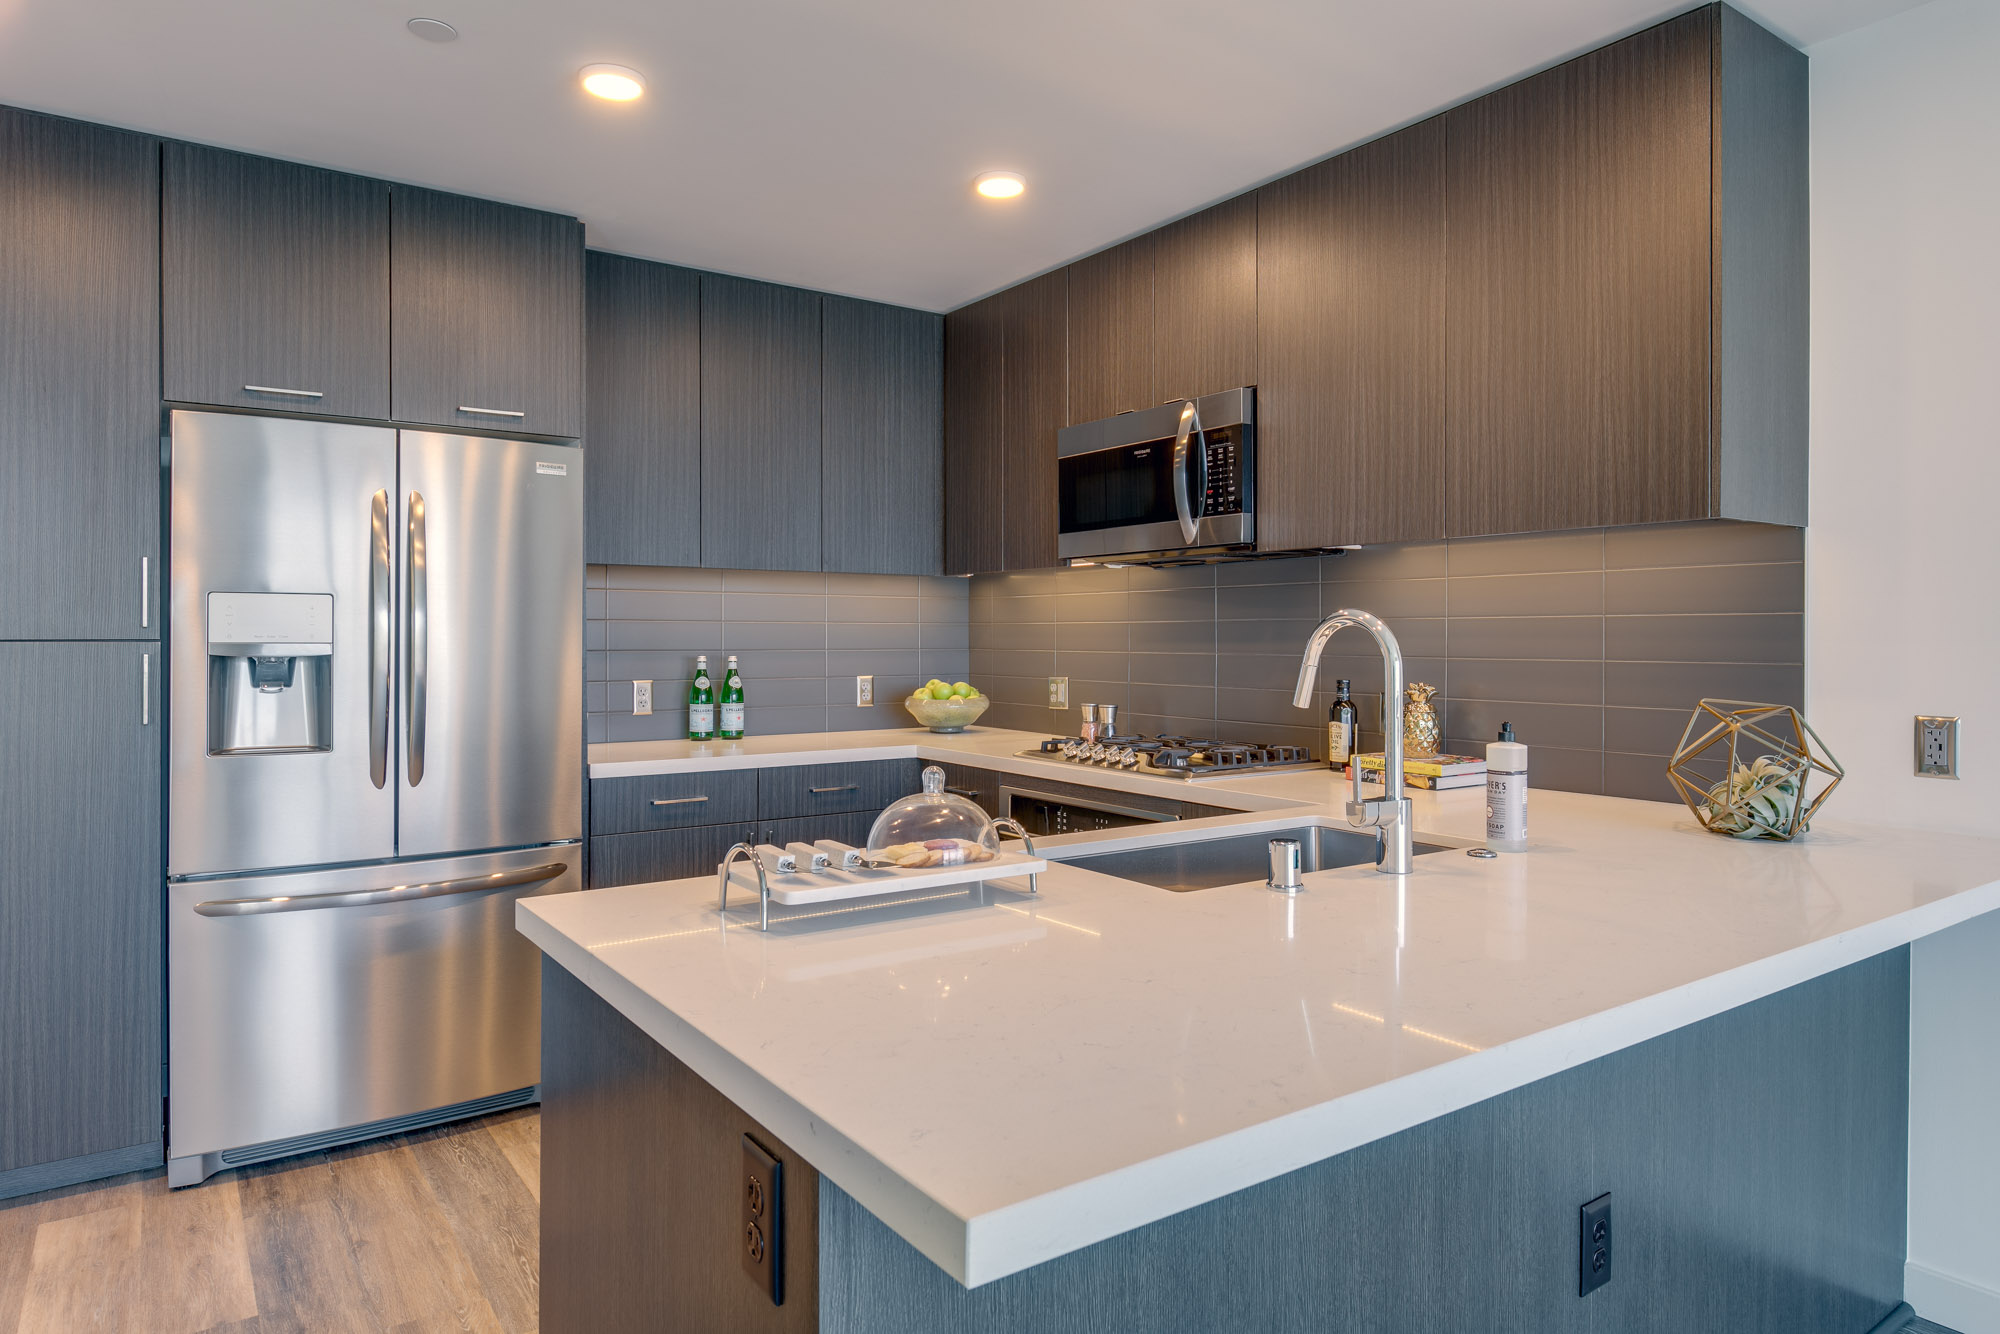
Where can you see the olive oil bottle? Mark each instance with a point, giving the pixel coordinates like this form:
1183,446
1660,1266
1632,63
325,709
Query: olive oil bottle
1340,734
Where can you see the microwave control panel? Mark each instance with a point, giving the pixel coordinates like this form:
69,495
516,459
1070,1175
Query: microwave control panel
1225,481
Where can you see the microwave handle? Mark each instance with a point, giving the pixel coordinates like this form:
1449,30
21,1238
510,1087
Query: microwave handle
1190,427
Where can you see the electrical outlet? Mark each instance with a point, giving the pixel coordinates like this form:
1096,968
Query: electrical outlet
762,1220
642,698
1937,747
1058,692
864,692
1593,1245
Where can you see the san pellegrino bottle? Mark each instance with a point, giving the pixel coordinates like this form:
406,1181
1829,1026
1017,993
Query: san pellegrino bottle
1340,732
701,702
732,701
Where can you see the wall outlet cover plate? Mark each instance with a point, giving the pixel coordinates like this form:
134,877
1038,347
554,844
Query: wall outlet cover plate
1058,692
1937,746
762,1220
642,698
1593,1245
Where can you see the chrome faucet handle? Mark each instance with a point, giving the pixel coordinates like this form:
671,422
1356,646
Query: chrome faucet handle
729,858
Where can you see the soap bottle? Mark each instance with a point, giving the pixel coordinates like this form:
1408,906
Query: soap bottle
1507,793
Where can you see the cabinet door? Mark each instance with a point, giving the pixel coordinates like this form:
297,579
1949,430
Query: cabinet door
1350,346
1577,292
79,380
486,314
760,425
642,502
883,461
1035,390
975,382
850,827
1112,332
80,886
275,281
1205,301
833,789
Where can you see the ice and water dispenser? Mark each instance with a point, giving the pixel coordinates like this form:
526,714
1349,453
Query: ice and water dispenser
270,673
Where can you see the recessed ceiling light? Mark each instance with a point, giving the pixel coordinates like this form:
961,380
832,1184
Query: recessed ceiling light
433,30
613,83
1000,184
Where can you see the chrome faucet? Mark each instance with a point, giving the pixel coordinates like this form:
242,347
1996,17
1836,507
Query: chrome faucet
1388,814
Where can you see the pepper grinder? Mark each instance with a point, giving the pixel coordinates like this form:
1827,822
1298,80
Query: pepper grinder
1088,731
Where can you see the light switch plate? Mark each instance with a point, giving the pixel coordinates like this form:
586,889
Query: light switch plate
1937,746
642,698
864,692
1058,692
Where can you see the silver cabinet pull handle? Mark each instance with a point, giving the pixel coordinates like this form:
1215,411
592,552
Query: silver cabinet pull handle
378,639
145,591
289,393
970,794
492,412
145,690
361,898
676,801
850,787
416,641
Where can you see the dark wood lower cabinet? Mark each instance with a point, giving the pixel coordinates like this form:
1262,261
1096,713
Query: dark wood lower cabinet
80,912
662,854
1756,1163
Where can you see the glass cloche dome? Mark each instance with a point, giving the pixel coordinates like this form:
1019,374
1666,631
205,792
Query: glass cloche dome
933,828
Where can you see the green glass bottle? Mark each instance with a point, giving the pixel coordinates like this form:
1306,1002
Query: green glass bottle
732,702
701,702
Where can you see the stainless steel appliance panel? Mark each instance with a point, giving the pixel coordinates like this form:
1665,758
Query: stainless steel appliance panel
490,728
262,506
1177,480
295,1009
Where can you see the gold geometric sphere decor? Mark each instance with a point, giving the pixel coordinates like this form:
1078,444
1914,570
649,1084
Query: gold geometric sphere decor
1777,771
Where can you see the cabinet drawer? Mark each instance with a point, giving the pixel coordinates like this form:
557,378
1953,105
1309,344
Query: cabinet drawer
851,828
662,854
671,801
980,786
832,789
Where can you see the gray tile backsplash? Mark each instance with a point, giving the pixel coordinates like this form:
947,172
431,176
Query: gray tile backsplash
801,639
1595,645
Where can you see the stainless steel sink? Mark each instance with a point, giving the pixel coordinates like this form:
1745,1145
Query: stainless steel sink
1231,859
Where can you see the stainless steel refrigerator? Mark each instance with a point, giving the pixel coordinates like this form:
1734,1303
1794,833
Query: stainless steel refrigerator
376,656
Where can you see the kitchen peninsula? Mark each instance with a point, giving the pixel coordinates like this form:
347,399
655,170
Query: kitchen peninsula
1372,1105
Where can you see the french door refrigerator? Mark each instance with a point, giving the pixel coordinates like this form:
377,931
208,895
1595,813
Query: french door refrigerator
376,710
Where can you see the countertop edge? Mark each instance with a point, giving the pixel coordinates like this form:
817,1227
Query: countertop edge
1033,1231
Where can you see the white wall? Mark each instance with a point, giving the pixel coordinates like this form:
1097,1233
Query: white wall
1903,551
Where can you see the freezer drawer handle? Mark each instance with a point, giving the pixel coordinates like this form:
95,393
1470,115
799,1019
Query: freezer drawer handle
676,801
492,412
361,898
821,791
416,642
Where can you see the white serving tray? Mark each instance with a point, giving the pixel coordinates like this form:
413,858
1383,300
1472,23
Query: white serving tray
798,888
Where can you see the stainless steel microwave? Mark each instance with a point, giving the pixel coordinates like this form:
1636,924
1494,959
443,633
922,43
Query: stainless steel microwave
1175,481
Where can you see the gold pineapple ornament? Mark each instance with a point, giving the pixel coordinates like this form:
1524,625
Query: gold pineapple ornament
1422,731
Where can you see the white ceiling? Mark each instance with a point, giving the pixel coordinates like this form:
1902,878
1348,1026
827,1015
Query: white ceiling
826,143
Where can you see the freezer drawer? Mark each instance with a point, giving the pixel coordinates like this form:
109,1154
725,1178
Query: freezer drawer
299,1004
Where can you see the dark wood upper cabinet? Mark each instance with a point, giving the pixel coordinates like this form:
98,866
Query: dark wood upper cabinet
1112,337
883,458
80,911
79,380
486,315
1607,288
1034,326
642,497
974,389
1205,301
275,284
760,425
1350,347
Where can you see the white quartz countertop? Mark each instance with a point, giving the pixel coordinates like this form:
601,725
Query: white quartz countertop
1006,1080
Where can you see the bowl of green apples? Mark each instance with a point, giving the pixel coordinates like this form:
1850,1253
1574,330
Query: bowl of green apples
946,706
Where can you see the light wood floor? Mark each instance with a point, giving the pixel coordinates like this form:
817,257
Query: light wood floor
432,1231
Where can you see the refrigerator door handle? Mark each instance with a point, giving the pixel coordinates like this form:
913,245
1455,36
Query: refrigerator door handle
361,898
378,639
416,642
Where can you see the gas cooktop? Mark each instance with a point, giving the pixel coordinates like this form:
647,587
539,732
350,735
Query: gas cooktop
1173,756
